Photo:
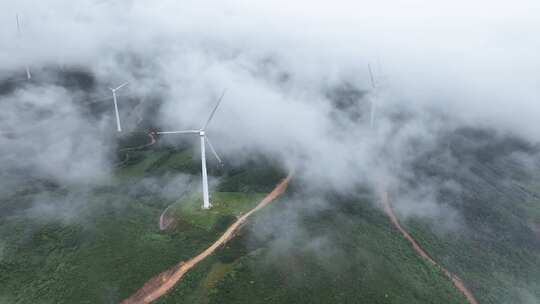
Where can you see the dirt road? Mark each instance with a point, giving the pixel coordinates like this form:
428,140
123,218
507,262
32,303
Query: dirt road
125,160
458,283
165,221
152,141
163,282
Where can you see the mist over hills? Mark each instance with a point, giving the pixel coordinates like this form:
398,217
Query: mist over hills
455,143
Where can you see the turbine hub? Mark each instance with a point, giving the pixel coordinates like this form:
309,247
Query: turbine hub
201,133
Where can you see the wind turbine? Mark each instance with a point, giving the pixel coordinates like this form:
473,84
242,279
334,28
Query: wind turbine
19,35
204,139
374,85
118,126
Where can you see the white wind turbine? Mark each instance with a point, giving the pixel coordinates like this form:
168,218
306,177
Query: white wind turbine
19,35
118,126
375,92
204,139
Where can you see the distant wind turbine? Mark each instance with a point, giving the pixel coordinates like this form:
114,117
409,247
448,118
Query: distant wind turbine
19,35
378,81
204,139
118,126
374,85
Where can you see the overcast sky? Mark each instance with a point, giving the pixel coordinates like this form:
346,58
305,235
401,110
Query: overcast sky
473,64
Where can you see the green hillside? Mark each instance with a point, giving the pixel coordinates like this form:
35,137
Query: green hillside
100,244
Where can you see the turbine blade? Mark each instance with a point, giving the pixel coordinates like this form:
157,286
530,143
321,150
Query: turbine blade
18,24
121,86
371,76
213,150
214,110
372,113
179,132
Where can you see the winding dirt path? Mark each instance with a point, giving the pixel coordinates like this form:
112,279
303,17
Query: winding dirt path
458,283
164,221
163,282
152,141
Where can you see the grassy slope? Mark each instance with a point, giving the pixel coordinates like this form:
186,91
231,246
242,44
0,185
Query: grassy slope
497,252
114,245
225,207
367,262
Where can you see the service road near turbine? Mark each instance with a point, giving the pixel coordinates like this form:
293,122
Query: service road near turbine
163,282
164,222
127,150
458,283
152,141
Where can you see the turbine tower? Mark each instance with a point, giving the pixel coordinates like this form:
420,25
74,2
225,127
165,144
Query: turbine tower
118,126
373,98
204,140
19,35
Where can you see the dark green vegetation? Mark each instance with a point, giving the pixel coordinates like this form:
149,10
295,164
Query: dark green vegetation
345,254
99,244
496,248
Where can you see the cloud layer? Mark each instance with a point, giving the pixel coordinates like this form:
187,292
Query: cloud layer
296,77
